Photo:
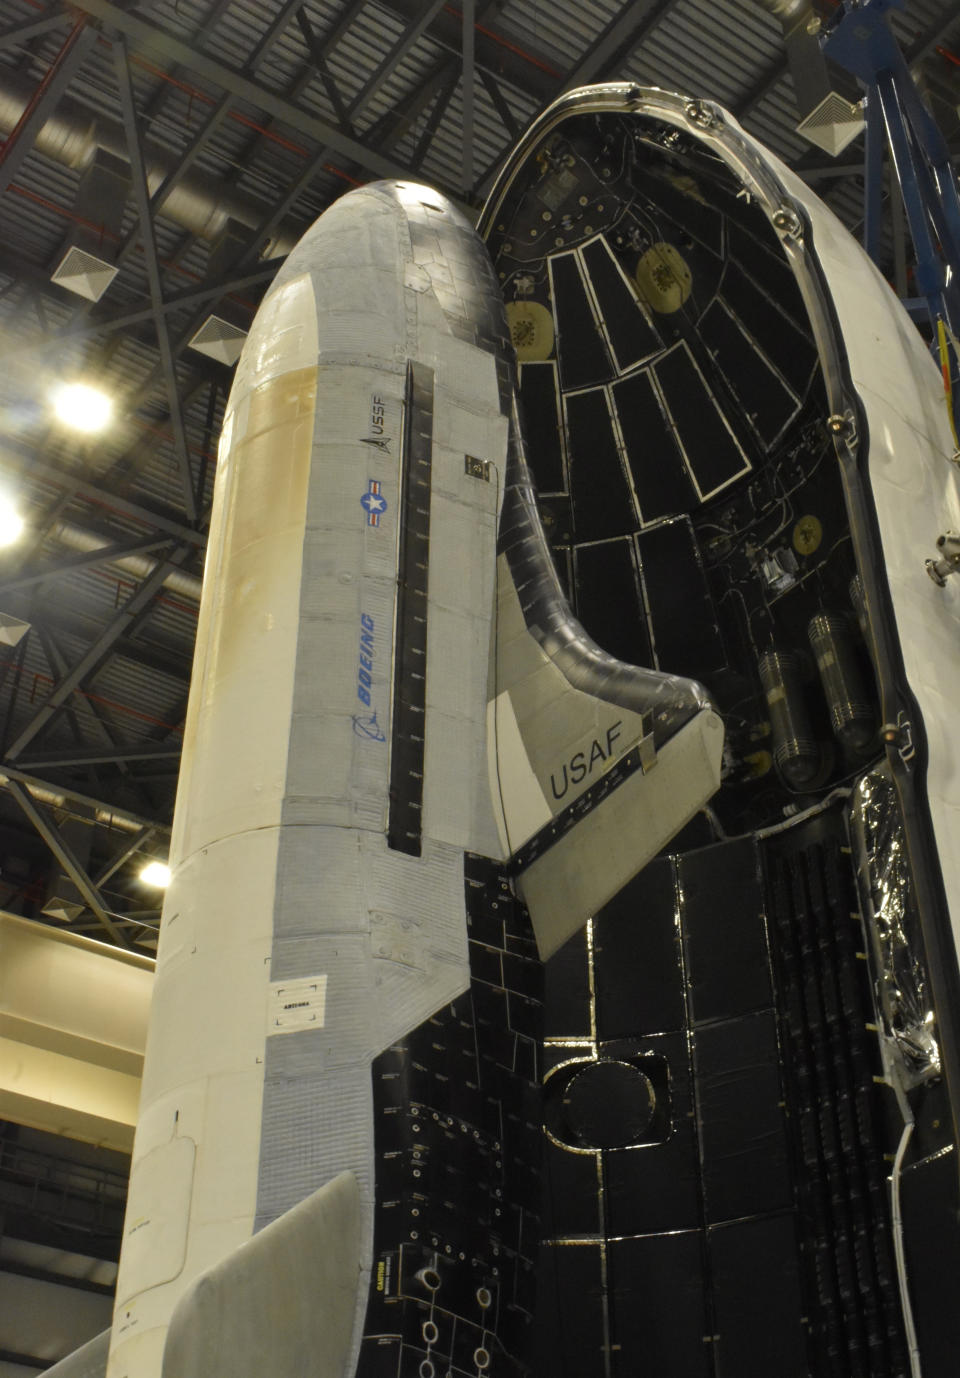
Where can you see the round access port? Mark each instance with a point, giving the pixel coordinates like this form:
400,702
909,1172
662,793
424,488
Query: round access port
481,1357
430,1332
430,1278
608,1105
484,1296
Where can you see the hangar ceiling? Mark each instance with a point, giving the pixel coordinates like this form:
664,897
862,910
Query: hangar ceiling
182,146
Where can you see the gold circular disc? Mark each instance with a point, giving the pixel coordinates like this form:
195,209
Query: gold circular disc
664,278
807,534
531,329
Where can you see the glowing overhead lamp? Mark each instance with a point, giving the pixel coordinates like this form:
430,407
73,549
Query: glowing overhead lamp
156,873
82,407
11,522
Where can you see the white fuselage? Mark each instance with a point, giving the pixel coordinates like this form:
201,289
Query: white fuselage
296,945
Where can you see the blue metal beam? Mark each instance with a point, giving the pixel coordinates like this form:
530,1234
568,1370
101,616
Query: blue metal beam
862,41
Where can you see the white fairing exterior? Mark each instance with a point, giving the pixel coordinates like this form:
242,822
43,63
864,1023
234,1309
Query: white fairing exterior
283,883
915,491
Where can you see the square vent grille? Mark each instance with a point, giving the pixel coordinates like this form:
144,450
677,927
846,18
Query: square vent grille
219,340
832,124
84,274
12,629
63,909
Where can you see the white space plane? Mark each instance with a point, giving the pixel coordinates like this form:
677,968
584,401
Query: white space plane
413,775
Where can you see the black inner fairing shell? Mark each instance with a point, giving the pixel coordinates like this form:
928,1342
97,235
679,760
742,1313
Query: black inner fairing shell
719,1121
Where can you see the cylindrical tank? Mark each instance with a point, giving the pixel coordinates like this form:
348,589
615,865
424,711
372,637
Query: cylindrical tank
851,713
796,752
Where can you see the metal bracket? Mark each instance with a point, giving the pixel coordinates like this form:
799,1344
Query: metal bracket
476,468
949,563
898,736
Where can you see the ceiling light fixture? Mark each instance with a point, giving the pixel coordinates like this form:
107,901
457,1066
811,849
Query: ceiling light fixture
82,407
11,522
156,873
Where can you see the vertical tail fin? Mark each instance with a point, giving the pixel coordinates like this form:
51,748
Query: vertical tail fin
597,763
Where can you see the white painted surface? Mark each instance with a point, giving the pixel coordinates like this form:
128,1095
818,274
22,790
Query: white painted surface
281,870
916,493
589,865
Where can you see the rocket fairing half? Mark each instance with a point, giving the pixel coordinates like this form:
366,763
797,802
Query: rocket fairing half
396,731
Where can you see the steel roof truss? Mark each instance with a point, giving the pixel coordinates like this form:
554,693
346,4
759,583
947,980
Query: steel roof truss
469,83
150,39
95,756
18,34
105,555
326,76
500,104
142,201
48,830
126,620
123,854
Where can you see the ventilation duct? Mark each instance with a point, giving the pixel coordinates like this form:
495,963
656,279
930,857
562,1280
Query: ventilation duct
63,900
139,566
828,118
221,337
201,204
79,807
87,265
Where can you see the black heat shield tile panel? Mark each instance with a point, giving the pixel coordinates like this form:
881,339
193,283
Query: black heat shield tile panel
660,476
932,1240
714,457
609,602
769,270
581,349
740,1108
566,1000
638,971
758,389
829,1060
791,352
725,929
408,731
657,1313
686,638
457,1149
540,399
569,1326
632,335
602,502
690,212
571,1198
757,1301
655,1188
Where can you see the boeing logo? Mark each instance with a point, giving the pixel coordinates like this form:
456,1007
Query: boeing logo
365,667
366,725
